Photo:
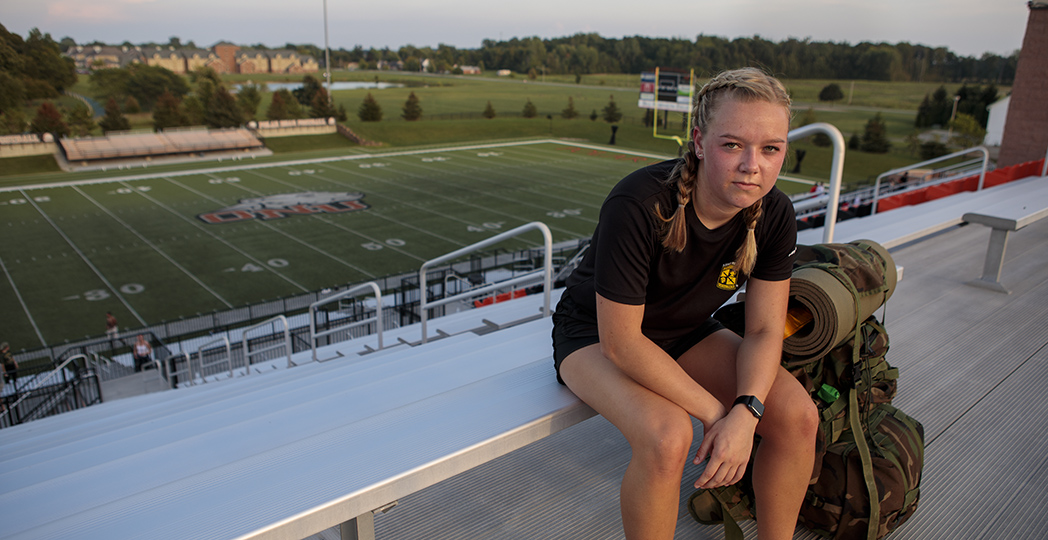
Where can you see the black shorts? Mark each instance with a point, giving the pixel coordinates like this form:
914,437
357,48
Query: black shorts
575,328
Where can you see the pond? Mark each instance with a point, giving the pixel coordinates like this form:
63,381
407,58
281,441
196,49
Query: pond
338,85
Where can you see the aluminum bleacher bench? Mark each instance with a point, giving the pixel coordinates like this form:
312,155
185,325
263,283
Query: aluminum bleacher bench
286,454
1003,217
910,223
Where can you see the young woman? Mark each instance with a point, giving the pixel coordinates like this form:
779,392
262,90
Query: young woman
633,337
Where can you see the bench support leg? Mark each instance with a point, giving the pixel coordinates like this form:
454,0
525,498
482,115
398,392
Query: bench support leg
991,278
360,528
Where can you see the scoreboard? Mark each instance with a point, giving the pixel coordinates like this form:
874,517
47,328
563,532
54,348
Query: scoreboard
665,90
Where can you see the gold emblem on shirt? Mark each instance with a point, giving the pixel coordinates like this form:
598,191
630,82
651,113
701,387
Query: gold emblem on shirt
729,279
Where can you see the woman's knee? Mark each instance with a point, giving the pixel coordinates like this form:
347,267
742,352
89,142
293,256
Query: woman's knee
794,418
663,442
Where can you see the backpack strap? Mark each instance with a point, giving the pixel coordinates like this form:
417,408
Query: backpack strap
853,411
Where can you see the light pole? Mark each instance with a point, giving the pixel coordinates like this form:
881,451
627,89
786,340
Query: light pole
949,133
327,56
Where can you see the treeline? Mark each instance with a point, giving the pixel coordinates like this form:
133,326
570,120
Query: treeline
583,54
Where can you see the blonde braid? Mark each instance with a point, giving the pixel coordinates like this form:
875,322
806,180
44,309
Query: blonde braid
685,173
746,256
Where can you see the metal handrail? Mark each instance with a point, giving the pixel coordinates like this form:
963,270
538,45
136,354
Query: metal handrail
982,173
546,270
836,170
41,382
456,278
229,356
352,291
287,342
171,373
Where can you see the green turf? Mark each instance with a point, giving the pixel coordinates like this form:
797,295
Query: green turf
137,248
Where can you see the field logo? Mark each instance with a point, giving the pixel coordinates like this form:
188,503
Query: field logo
288,204
729,279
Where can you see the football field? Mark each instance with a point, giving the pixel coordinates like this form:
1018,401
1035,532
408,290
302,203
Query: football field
156,248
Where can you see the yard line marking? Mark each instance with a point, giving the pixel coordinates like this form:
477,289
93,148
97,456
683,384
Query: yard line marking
500,171
487,209
229,245
25,308
371,211
155,248
354,157
87,261
273,228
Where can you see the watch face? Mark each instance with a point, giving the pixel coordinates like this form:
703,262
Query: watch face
753,404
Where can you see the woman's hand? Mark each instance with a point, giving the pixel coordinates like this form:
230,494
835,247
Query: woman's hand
727,443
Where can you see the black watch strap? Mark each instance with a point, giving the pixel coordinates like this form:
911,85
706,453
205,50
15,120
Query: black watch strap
753,404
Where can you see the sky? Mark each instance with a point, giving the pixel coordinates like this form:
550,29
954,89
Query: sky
965,27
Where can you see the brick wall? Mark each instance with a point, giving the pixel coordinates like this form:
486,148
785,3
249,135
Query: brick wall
1026,128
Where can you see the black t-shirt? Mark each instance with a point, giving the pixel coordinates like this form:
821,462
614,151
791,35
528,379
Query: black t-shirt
627,262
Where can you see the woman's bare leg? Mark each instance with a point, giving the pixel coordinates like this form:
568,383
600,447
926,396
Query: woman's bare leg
786,453
659,433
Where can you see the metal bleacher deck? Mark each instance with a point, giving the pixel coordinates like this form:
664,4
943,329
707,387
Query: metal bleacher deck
467,432
972,363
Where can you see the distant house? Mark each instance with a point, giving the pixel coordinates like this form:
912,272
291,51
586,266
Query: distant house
168,58
995,123
504,73
470,70
224,57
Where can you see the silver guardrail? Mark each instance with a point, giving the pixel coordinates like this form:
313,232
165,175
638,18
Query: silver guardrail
546,271
836,170
170,365
900,170
228,359
352,291
41,382
286,344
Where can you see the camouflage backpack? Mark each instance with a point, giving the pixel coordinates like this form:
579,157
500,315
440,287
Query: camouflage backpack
852,385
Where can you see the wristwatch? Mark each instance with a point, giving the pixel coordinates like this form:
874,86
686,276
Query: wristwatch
752,403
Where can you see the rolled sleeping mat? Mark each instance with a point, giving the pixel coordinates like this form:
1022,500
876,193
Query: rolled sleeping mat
867,265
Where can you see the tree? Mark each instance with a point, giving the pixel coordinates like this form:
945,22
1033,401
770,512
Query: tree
131,105
831,92
111,82
489,111
222,110
248,99
193,111
530,111
294,108
875,136
340,113
569,112
168,112
594,116
966,131
819,139
12,92
305,93
277,108
43,61
49,120
370,110
147,83
611,111
321,106
412,108
113,120
13,122
80,120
